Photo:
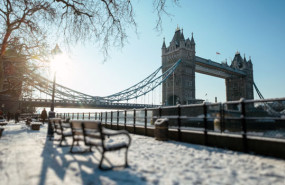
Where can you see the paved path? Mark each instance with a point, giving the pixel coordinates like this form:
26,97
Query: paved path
26,157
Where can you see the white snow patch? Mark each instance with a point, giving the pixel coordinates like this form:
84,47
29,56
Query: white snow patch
27,157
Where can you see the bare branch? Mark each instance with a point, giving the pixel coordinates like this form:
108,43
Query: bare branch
26,25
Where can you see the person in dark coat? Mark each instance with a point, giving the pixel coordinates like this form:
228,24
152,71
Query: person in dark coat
17,116
8,116
44,115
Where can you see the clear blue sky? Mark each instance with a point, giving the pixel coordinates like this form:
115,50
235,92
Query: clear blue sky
256,28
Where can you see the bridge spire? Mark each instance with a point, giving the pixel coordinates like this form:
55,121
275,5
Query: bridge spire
192,40
182,36
177,29
163,45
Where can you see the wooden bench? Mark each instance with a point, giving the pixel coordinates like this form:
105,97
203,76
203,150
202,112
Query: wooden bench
94,135
62,129
77,135
35,126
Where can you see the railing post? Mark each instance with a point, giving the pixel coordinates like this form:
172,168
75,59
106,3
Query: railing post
101,117
106,117
222,117
179,122
243,124
205,123
73,115
125,121
77,115
83,115
89,116
134,122
111,119
67,115
118,119
159,111
64,116
95,115
145,121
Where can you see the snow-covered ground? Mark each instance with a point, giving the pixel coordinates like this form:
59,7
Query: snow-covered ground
27,157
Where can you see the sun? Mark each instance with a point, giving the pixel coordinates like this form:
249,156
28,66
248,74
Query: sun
62,65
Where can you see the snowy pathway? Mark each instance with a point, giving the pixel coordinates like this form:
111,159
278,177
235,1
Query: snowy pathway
26,157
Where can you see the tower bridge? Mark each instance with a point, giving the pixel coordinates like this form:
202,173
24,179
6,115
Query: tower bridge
84,104
179,65
238,75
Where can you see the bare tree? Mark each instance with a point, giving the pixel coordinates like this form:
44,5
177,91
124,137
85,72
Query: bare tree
21,30
26,24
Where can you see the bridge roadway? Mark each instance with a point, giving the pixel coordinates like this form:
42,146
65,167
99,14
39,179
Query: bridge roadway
83,104
208,67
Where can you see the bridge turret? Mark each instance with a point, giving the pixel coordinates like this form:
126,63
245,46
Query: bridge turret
237,61
240,86
178,39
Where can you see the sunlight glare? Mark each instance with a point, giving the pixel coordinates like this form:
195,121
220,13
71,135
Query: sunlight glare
62,65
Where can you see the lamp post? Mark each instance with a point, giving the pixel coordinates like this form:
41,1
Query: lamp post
55,52
53,91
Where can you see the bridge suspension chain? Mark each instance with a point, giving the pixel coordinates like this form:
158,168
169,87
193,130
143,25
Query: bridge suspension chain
267,107
142,87
45,86
258,92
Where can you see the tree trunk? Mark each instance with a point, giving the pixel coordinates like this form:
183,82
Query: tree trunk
3,50
1,73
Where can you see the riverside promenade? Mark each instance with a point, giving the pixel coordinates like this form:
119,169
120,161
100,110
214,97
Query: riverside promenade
27,157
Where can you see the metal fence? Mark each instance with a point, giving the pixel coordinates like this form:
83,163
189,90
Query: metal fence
265,118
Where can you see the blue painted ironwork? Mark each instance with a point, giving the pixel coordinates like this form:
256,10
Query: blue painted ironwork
258,92
144,86
44,85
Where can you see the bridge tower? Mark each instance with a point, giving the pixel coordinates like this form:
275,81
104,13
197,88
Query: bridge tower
240,86
180,87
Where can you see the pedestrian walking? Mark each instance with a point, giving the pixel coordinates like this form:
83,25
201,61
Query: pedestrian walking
8,116
44,115
17,116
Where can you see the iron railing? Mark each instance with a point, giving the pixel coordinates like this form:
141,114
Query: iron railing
245,117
